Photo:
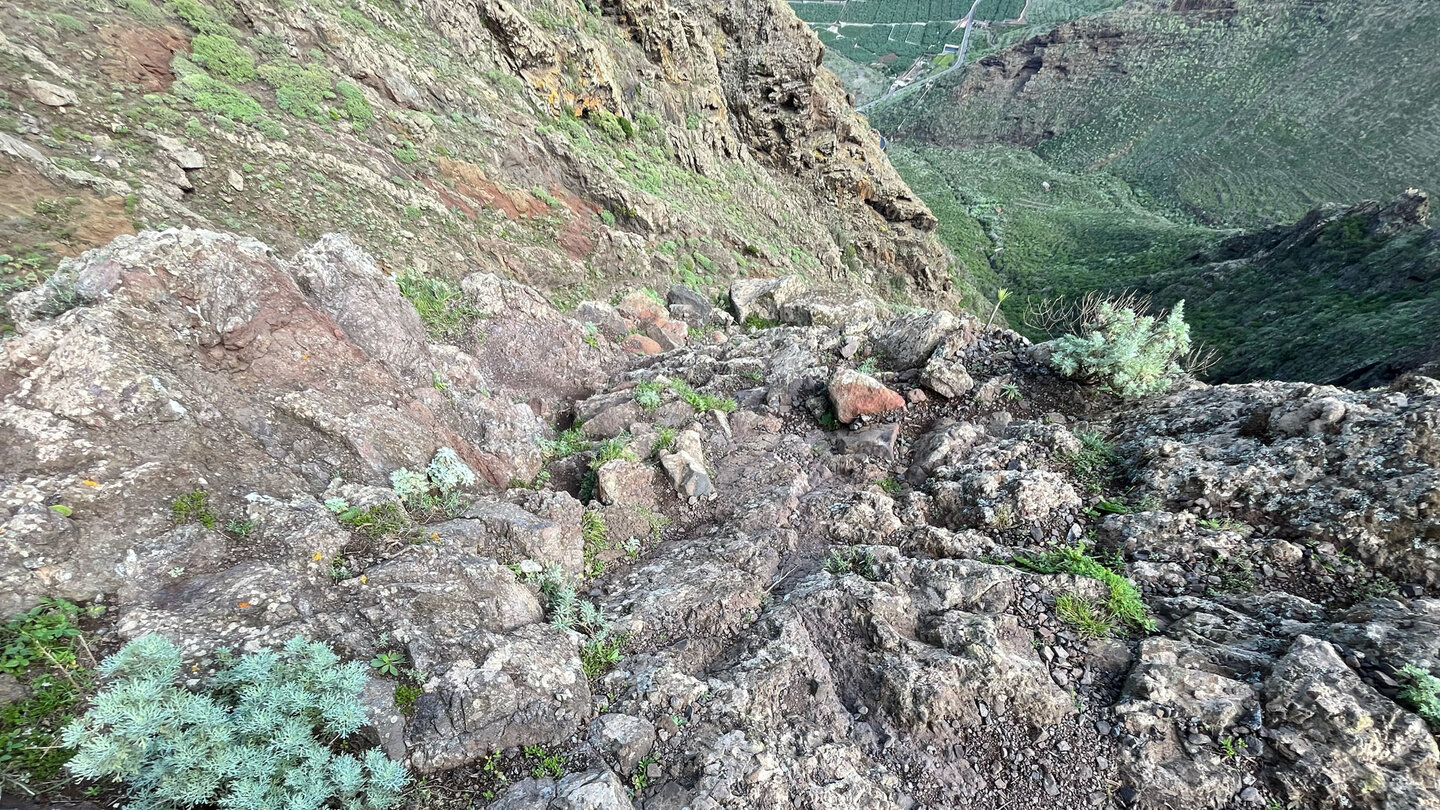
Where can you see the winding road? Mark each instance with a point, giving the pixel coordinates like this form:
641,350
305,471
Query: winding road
959,63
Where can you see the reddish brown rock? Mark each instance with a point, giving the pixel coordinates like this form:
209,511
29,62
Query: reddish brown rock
855,394
639,344
639,307
669,334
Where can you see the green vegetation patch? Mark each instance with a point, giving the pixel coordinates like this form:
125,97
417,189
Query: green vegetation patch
442,308
43,649
299,90
223,57
213,95
1123,608
264,732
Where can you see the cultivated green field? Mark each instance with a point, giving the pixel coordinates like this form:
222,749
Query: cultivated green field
889,35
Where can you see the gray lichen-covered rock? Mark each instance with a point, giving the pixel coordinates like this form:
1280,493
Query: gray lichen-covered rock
1339,742
762,298
907,341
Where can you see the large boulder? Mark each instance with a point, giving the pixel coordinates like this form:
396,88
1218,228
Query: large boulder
1342,744
763,297
907,341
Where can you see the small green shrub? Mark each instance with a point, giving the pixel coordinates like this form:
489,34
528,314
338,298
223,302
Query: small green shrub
568,443
271,129
612,449
193,506
196,16
258,735
851,561
144,10
299,90
1130,354
647,395
223,57
405,696
213,95
547,764
445,473
664,440
270,46
448,472
354,104
1422,694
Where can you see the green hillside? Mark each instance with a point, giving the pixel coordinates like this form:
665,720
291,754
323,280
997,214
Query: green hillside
1243,112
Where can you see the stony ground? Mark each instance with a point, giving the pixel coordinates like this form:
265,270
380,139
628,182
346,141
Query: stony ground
846,557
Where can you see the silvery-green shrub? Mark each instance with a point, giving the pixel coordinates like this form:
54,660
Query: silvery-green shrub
258,736
1131,354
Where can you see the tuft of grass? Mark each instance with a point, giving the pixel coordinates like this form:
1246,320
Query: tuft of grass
1093,465
193,506
567,443
375,521
664,441
860,562
1124,603
240,528
612,449
441,307
593,534
1088,618
592,527
702,402
889,485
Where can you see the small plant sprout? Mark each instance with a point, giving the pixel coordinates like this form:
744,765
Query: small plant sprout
388,663
1000,296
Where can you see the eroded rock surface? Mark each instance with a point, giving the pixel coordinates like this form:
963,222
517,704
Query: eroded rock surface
1037,598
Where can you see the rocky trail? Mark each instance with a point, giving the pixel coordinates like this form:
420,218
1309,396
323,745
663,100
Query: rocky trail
840,557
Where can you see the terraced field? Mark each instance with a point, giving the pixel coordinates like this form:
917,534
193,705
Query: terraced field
1246,113
889,35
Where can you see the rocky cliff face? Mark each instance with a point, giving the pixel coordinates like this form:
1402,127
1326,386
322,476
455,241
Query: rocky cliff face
562,143
990,588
